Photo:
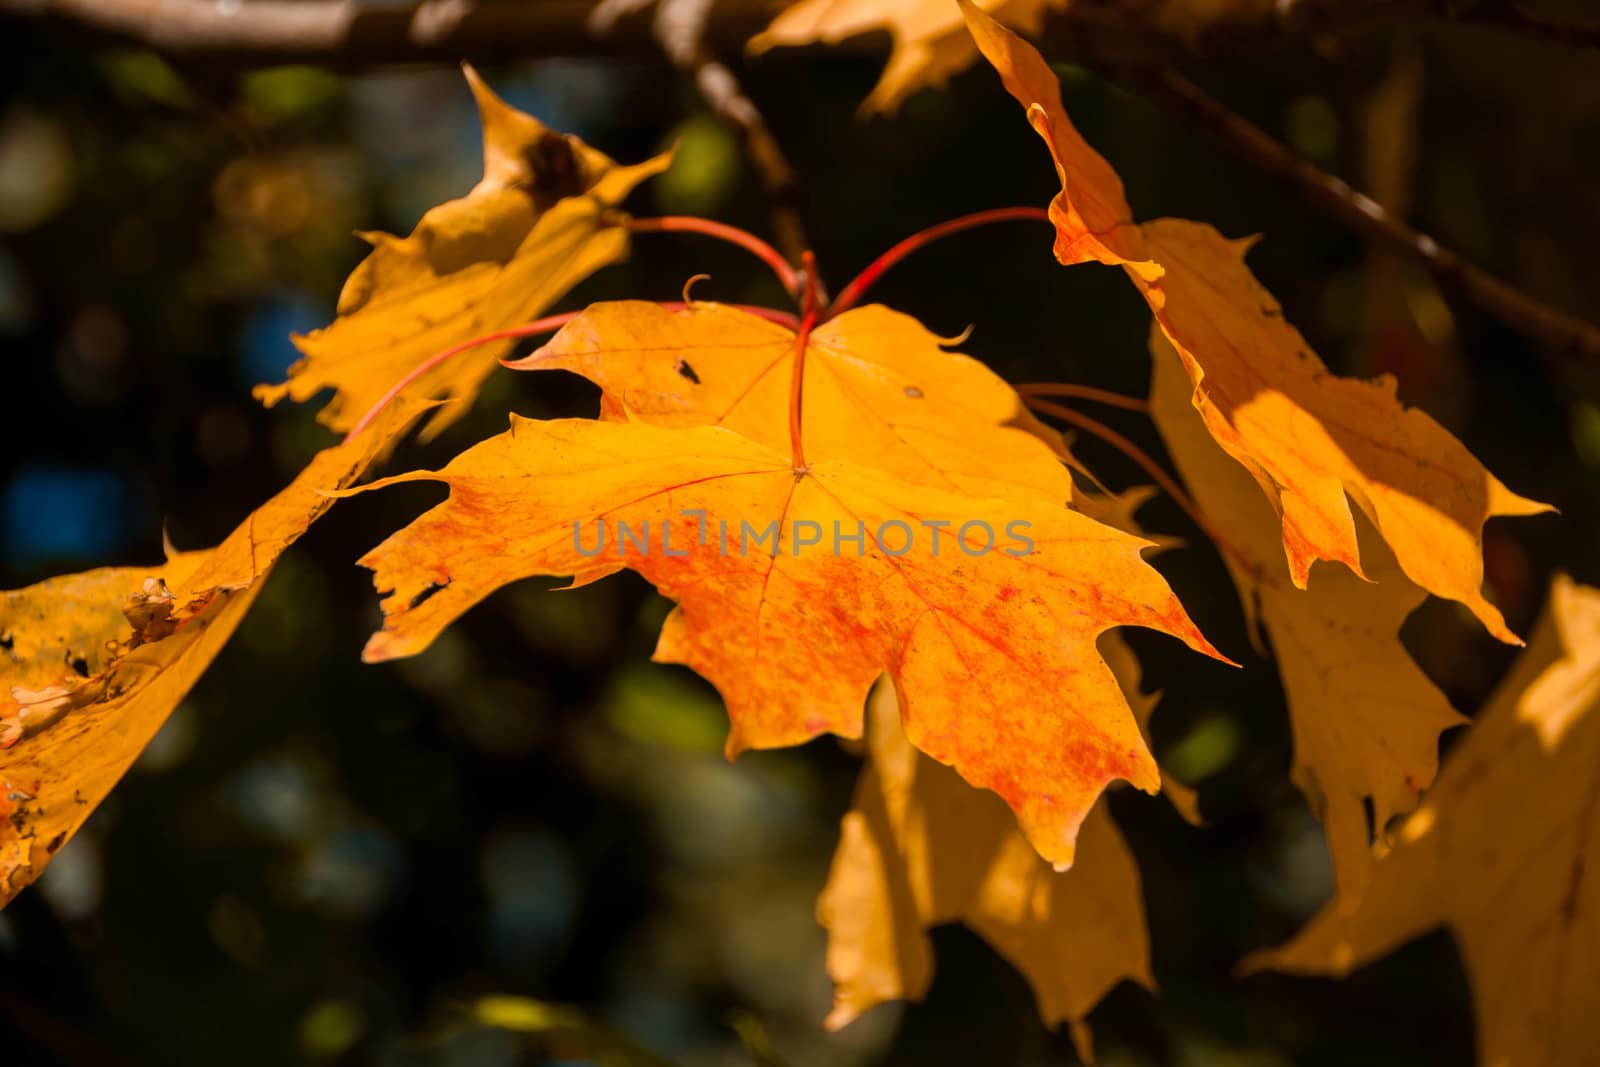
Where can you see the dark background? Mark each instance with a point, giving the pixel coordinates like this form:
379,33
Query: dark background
317,858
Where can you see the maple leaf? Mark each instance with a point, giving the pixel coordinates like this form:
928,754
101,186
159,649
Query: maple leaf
85,621
540,221
920,847
930,41
1366,719
1312,441
793,639
98,660
877,383
1501,852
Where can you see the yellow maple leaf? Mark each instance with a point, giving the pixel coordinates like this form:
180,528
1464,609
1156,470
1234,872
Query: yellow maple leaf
920,847
99,660
1501,851
541,220
1313,441
1366,719
930,42
877,384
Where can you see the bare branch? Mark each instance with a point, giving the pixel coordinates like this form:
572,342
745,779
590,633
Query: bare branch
350,34
353,35
1514,18
1565,333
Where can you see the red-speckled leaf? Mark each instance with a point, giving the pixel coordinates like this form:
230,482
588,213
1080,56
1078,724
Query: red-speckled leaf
991,648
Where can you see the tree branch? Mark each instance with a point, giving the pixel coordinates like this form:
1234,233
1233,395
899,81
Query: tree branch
1514,18
1565,333
353,35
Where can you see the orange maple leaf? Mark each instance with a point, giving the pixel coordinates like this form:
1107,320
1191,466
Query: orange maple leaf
793,631
1312,441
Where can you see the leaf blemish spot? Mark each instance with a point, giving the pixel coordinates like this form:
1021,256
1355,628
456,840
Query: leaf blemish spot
913,392
688,371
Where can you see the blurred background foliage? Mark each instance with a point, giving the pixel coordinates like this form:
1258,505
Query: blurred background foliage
316,859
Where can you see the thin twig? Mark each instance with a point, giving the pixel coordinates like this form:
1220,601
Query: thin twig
787,276
1157,473
778,180
720,88
1563,332
857,286
549,324
1073,391
682,27
1514,18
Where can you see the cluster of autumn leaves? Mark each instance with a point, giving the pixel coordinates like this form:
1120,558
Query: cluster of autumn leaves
987,670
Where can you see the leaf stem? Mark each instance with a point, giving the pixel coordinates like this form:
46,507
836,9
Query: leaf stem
545,325
1073,391
732,235
1167,482
808,321
852,293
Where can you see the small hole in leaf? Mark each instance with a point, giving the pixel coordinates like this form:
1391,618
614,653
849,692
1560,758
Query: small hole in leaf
688,371
423,596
